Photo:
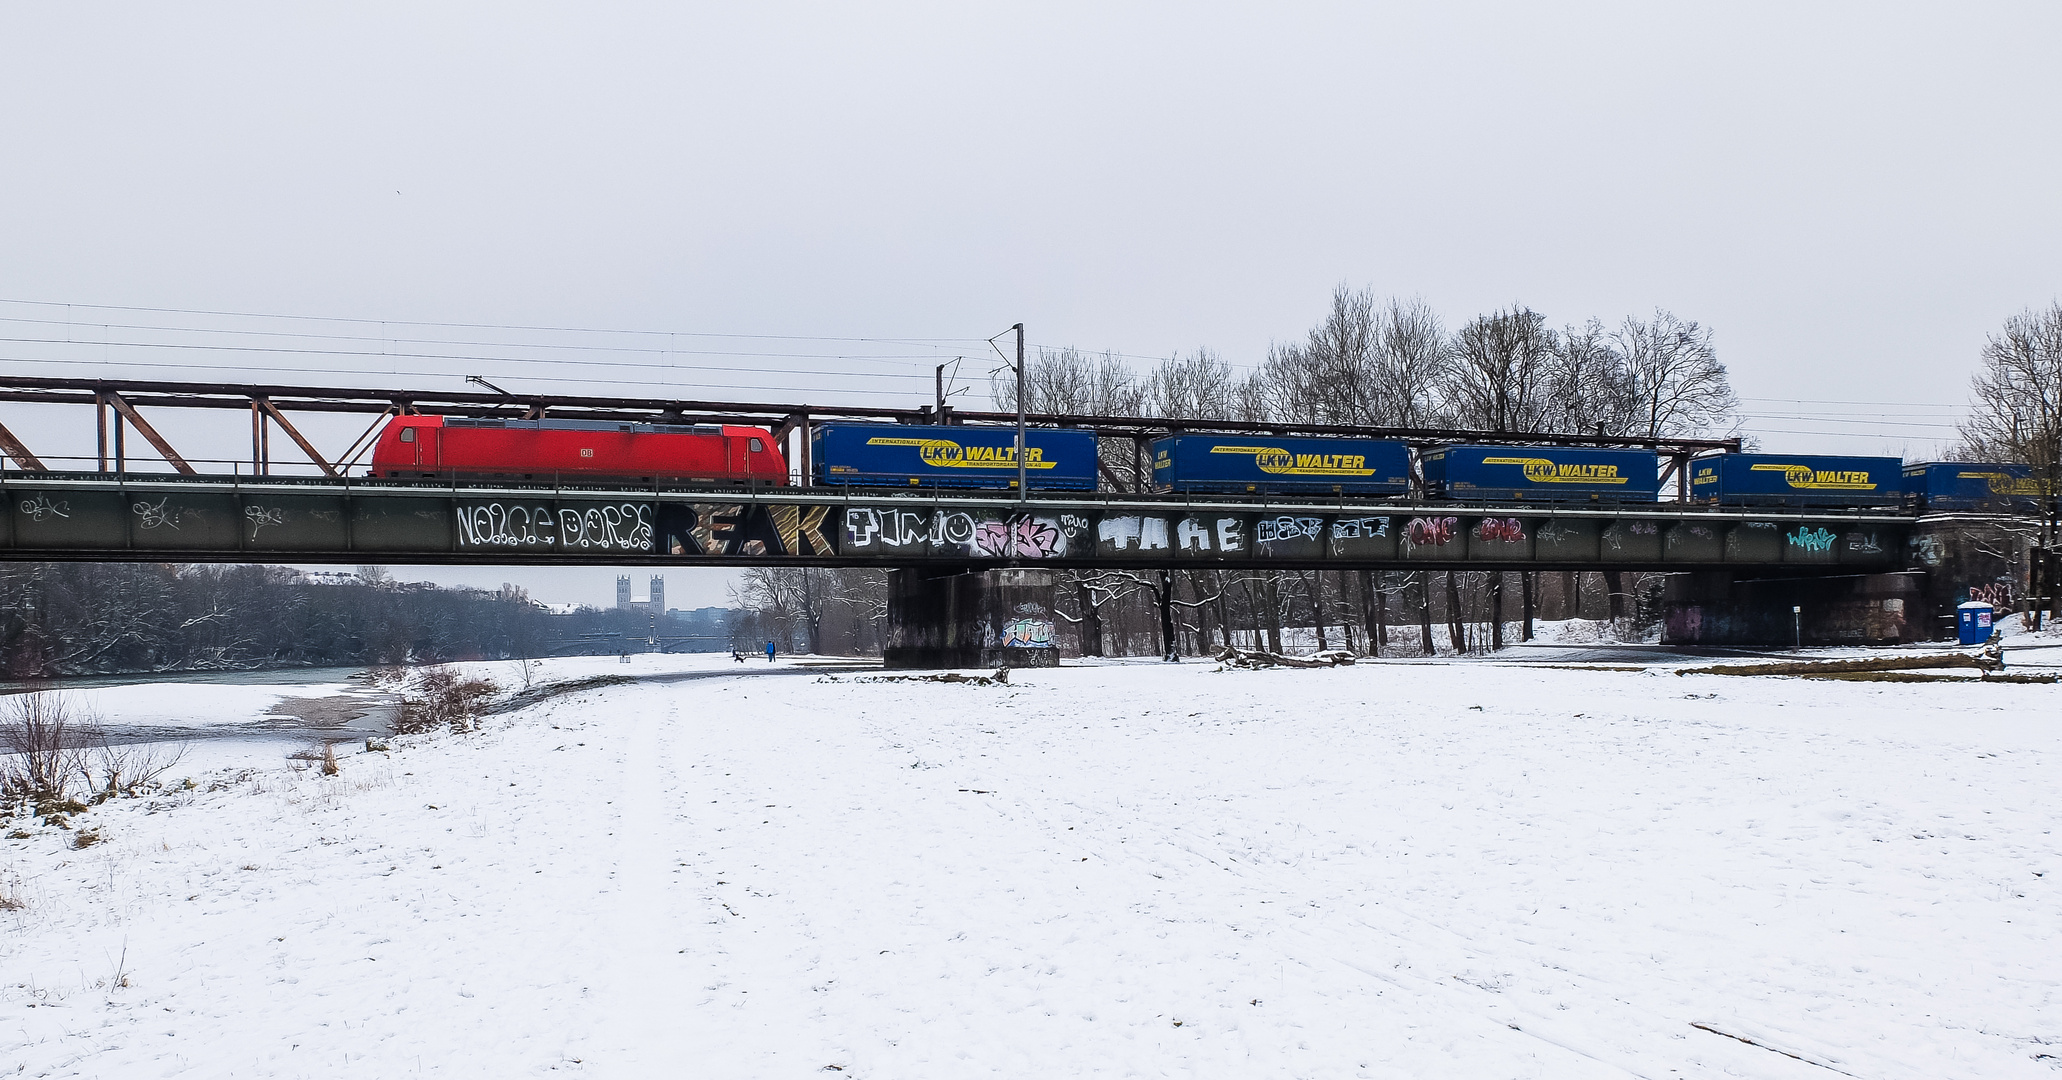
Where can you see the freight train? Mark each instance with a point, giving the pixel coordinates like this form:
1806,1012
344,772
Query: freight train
904,456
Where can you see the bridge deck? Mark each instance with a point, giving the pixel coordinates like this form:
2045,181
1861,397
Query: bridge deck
98,516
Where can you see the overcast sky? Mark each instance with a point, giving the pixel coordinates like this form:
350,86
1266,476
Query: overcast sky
1851,195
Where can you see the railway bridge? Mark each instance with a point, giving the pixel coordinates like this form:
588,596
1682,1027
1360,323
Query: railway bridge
969,561
964,561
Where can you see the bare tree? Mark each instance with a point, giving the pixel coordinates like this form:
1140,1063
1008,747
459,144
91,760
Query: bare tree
2015,408
1200,386
2015,415
1414,362
1376,363
1071,381
1588,387
1500,366
1331,376
1675,385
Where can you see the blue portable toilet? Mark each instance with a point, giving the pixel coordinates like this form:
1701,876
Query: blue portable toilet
1972,620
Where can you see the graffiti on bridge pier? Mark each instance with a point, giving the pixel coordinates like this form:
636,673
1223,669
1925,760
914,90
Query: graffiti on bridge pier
1028,630
1997,595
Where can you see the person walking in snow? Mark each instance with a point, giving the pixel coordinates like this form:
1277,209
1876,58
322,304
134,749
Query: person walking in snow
769,652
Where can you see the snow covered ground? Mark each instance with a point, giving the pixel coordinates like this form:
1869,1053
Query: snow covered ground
1459,869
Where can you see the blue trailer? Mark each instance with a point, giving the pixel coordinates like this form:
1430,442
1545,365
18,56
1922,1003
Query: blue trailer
1962,485
1796,480
1543,473
913,455
1272,465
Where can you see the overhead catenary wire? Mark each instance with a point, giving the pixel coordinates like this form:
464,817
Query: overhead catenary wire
469,325
438,375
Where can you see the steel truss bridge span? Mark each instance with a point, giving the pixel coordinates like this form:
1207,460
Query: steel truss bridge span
222,519
118,406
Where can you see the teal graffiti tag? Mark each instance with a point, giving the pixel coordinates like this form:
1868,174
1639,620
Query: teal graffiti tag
1813,539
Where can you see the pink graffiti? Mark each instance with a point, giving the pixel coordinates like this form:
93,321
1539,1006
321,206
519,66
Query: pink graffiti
1431,532
1998,595
1505,529
1019,537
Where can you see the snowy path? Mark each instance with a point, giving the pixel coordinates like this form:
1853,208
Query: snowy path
1451,870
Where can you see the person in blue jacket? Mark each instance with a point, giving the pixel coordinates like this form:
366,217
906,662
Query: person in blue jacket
769,652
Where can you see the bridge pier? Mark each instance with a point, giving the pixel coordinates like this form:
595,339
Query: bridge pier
953,617
1728,608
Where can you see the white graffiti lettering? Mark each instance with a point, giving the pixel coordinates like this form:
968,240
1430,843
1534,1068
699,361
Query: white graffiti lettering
1126,532
1269,530
614,527
496,525
156,514
41,507
1231,535
261,516
1361,528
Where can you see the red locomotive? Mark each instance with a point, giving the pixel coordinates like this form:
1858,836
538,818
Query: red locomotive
453,447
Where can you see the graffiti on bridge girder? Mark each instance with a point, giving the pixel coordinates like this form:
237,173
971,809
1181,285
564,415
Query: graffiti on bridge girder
988,534
621,527
1811,539
890,530
1501,530
1431,531
41,507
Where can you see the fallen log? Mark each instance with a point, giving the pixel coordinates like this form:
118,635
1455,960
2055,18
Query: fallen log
1259,658
1920,676
1989,659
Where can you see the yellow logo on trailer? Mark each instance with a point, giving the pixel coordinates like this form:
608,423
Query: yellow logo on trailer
2004,483
1546,471
1806,478
1275,461
946,454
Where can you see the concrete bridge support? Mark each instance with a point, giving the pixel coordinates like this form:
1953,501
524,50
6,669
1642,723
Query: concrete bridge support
949,617
1952,558
1729,608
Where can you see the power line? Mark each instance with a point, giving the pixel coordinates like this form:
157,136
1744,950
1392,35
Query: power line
436,375
467,357
1834,401
476,326
299,335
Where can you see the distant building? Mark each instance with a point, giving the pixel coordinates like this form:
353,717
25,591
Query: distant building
622,592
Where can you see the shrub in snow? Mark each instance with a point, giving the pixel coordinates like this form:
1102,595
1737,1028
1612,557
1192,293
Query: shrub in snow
55,755
441,699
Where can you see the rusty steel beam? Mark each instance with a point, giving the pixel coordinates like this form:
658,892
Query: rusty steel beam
143,428
13,448
294,433
365,440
